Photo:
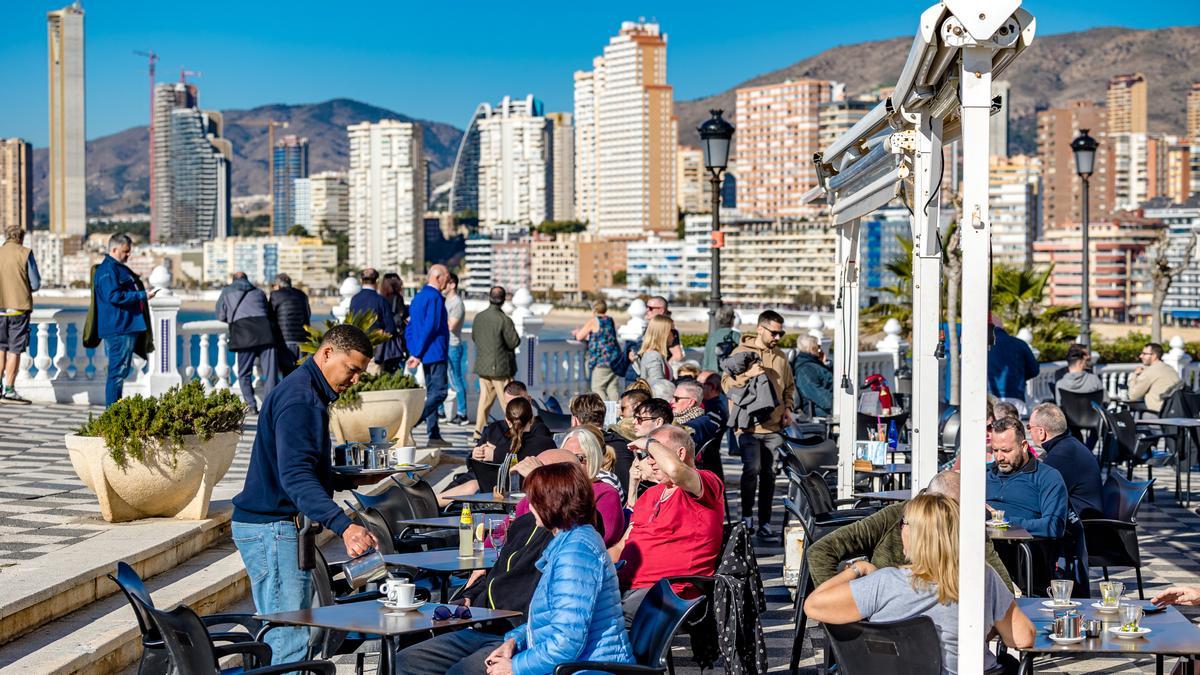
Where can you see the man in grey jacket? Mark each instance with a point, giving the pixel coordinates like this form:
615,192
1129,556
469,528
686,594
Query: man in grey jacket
1078,379
251,335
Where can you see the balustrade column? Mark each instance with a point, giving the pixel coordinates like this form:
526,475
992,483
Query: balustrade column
60,359
223,370
1177,358
205,369
164,315
41,331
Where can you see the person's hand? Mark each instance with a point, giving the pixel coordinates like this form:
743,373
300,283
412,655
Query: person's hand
788,418
526,466
358,540
863,567
482,451
755,370
501,666
151,293
504,651
1178,595
1138,370
990,510
412,362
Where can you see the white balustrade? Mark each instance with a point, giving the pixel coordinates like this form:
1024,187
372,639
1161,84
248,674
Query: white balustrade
870,363
1041,387
1115,377
57,368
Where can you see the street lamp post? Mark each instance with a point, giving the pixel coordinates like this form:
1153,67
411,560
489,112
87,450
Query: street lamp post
715,136
1084,147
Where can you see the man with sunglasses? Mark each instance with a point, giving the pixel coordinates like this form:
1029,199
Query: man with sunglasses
687,404
761,436
1154,381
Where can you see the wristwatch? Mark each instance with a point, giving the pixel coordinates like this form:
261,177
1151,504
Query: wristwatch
857,573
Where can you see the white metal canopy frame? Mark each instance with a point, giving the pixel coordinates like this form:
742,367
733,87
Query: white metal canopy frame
895,151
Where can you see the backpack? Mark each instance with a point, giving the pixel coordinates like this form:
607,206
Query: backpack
726,346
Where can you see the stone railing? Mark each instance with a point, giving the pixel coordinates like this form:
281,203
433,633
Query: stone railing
57,368
204,354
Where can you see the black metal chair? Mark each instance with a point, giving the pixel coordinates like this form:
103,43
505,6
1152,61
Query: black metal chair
1083,419
709,456
1112,540
193,653
1123,443
1182,403
654,626
154,653
556,422
812,452
910,646
391,506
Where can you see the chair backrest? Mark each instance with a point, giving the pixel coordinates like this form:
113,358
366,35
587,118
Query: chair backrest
817,491
379,526
556,422
658,618
187,641
813,452
393,503
1123,497
1080,413
1182,403
910,646
131,584
421,498
1120,436
712,445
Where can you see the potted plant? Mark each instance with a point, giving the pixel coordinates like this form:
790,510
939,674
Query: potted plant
158,456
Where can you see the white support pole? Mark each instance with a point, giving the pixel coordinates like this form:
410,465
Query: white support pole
927,299
976,94
845,355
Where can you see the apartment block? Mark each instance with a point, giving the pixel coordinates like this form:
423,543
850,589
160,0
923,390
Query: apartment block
1193,113
516,164
309,262
574,264
1126,104
1182,221
16,184
1015,194
695,188
191,168
1062,190
563,162
386,196
289,162
769,261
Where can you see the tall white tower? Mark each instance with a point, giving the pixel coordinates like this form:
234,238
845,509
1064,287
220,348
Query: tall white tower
68,131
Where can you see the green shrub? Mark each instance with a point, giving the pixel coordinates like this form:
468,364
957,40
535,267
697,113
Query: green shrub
697,340
382,382
184,410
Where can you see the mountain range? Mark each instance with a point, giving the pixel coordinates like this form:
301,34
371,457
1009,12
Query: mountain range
1054,70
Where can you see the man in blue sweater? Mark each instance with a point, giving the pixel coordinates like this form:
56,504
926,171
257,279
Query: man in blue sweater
290,475
428,338
1032,494
1011,364
120,301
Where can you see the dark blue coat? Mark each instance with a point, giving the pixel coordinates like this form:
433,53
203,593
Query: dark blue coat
814,383
1033,497
1011,364
1080,471
291,468
369,300
428,332
119,301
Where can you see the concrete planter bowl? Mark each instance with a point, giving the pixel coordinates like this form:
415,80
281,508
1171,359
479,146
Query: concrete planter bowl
166,486
396,409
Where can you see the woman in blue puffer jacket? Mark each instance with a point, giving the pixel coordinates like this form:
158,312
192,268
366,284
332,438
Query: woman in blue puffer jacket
575,613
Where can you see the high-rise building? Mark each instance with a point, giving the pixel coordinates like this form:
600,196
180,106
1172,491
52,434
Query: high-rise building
1178,180
387,174
328,207
1061,187
289,162
563,156
307,260
302,204
1013,201
464,183
68,123
16,184
1126,104
669,266
1182,220
1137,168
835,117
574,264
1193,114
695,190
999,121
191,168
777,136
516,180
625,136
767,261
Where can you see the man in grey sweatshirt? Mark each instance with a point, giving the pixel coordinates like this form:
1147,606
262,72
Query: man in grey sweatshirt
1078,379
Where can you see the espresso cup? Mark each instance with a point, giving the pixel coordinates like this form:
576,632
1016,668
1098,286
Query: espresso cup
379,435
399,592
403,455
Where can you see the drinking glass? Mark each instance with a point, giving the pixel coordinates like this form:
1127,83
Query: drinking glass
998,516
479,530
1060,591
1110,593
497,527
1131,616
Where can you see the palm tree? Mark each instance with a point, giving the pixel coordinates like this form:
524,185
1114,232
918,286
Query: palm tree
899,307
1019,300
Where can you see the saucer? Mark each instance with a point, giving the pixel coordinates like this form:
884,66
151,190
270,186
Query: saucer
1142,631
997,523
1105,609
1051,604
1067,640
400,608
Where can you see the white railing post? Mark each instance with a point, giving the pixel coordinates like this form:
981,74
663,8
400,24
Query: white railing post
349,288
204,370
164,315
528,327
223,370
632,329
1176,357
892,342
41,331
1025,335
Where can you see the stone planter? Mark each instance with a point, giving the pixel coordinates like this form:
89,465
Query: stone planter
173,487
396,409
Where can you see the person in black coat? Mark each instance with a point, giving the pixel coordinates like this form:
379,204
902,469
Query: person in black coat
292,313
1072,459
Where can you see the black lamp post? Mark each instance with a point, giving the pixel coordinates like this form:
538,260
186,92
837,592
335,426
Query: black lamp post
715,136
1084,147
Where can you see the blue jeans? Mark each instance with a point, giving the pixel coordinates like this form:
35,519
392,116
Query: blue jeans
267,365
461,652
119,350
277,584
436,388
458,376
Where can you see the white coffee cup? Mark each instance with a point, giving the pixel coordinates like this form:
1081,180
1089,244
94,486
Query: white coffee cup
403,455
399,592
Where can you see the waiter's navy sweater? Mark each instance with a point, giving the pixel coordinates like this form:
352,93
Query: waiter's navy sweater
1080,472
291,470
1033,497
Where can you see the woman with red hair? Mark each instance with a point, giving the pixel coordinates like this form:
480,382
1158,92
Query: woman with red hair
575,613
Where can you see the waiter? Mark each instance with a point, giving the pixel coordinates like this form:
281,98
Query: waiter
290,475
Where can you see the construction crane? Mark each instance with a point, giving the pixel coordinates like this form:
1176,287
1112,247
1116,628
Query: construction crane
152,58
270,125
184,73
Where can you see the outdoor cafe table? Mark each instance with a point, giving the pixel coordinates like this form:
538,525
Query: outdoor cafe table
886,495
1171,635
487,498
442,563
1183,459
372,618
351,477
878,473
1018,537
439,522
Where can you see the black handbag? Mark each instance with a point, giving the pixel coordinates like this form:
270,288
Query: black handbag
251,332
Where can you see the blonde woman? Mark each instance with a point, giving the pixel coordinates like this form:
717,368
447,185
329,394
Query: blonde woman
586,442
927,586
652,358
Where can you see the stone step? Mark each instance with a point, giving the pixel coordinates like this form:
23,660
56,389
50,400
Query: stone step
103,637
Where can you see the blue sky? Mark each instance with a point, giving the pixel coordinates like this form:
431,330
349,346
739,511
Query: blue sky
437,60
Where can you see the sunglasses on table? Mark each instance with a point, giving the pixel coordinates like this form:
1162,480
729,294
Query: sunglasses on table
446,612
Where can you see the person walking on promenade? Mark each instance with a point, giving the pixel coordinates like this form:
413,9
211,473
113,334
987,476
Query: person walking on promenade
760,386
456,313
388,355
292,313
496,343
119,315
391,287
19,278
603,352
428,337
245,308
290,475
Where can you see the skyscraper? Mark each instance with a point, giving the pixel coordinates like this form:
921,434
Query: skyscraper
68,129
1013,207
516,179
778,133
387,191
1193,114
1061,187
191,167
625,136
464,185
329,192
1126,104
999,121
290,161
563,185
694,193
16,184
